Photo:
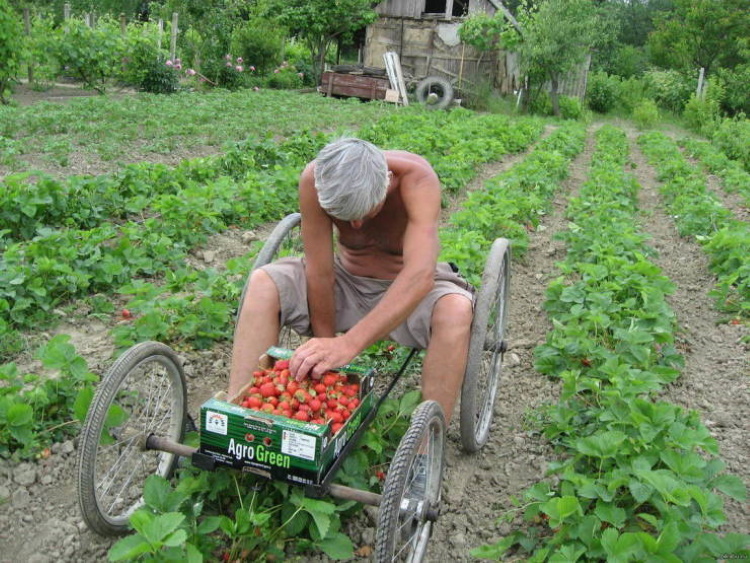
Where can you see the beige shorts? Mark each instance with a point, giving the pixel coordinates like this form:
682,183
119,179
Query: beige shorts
355,296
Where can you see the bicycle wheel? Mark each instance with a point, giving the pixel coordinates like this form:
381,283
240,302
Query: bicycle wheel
142,394
284,240
486,348
411,494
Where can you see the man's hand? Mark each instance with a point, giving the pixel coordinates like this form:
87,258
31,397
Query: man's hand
319,355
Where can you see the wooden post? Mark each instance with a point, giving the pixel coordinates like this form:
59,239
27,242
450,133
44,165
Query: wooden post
173,42
87,19
699,93
27,28
161,32
123,24
66,11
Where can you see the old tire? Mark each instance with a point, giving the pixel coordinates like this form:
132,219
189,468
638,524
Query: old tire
434,92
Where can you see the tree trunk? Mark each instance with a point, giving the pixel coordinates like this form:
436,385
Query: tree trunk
553,96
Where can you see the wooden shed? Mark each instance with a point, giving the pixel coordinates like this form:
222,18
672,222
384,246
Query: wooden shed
424,33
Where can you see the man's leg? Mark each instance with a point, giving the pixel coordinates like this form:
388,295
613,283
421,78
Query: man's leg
257,329
445,360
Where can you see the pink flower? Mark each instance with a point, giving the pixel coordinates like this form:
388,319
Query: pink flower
177,61
229,65
228,57
190,72
276,71
239,68
239,59
255,88
178,66
168,63
252,69
301,74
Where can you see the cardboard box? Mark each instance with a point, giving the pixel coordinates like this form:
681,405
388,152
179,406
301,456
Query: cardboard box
275,446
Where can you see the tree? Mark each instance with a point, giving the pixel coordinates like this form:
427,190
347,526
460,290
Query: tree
554,37
11,46
320,23
701,33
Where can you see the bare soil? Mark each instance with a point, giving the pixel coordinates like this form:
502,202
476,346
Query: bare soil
40,521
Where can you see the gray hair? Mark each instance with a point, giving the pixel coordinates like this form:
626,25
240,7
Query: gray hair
351,177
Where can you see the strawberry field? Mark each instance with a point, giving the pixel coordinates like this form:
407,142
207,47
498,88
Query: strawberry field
621,421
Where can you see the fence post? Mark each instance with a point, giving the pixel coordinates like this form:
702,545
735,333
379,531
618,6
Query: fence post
27,29
123,24
173,43
66,11
699,93
161,32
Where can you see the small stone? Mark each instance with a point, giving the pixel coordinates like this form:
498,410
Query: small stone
248,237
209,256
67,447
512,360
368,536
25,474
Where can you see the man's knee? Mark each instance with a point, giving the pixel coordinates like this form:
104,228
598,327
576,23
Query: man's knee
261,290
452,312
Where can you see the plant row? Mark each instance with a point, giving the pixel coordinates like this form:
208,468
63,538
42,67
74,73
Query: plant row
699,213
510,204
637,478
734,178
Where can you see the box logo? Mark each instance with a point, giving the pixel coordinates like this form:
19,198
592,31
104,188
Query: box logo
216,423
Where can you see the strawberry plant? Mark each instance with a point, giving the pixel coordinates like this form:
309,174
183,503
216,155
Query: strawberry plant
637,478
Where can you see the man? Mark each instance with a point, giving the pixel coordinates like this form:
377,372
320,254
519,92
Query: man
383,280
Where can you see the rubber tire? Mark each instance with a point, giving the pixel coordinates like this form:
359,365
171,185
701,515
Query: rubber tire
438,85
486,347
99,519
285,235
427,423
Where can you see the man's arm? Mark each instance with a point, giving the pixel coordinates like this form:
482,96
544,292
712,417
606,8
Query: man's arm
420,192
317,238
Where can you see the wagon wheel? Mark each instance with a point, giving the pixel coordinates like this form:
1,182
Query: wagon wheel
486,348
142,394
411,494
284,240
434,92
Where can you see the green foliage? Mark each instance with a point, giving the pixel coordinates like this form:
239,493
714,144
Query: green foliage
734,82
158,77
229,72
702,115
645,114
259,43
93,55
670,89
637,478
632,92
485,32
733,137
11,48
570,108
602,92
36,410
285,77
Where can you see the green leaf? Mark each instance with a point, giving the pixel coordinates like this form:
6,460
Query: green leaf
82,403
162,526
338,546
128,548
19,414
608,512
176,538
602,444
730,485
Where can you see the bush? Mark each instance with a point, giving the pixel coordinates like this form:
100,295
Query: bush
646,114
11,47
93,55
632,93
541,104
285,77
141,54
733,138
602,92
161,77
735,82
570,108
703,115
259,43
229,72
670,88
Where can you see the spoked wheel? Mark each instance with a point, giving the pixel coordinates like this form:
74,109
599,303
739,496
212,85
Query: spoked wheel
411,494
142,394
486,348
284,240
